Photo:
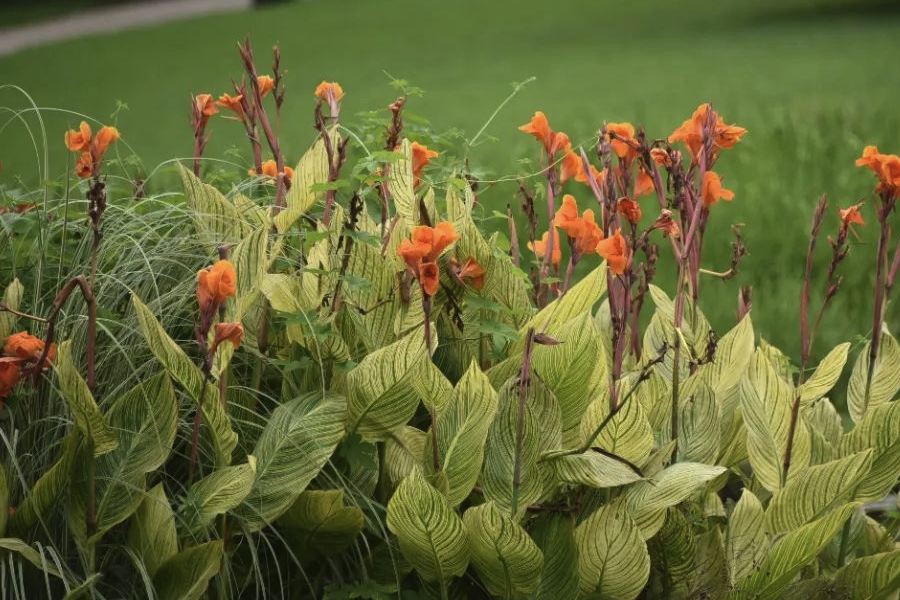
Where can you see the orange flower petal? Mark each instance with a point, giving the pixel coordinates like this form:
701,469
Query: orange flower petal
80,140
329,91
429,278
712,190
266,85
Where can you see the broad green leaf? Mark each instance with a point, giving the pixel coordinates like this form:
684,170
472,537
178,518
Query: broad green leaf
216,219
41,500
766,401
380,390
826,374
251,213
881,477
497,479
462,430
696,335
23,549
145,421
711,575
733,354
152,535
432,537
186,575
298,440
320,524
433,388
592,469
648,500
790,554
661,331
698,422
400,185
673,555
554,533
815,492
885,378
404,452
573,370
217,493
612,555
290,294
870,577
824,418
88,418
579,300
747,541
312,169
877,430
507,560
251,260
12,298
185,372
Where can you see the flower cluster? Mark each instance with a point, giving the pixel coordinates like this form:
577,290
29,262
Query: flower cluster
420,253
885,166
215,284
20,352
270,171
91,147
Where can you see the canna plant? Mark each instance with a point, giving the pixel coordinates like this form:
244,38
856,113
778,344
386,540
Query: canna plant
367,396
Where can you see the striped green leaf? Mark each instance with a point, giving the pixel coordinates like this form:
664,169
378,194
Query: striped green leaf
180,368
217,493
882,476
673,556
591,468
145,423
826,374
40,502
507,560
24,549
216,219
574,371
648,500
404,452
152,535
790,554
319,523
733,354
462,429
88,418
290,293
698,422
186,575
823,417
554,533
871,577
877,430
885,378
747,541
431,535
298,440
12,298
766,400
400,185
612,556
711,575
818,490
251,261
312,169
497,479
381,389
696,335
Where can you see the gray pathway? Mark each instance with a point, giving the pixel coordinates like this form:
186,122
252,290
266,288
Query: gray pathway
110,18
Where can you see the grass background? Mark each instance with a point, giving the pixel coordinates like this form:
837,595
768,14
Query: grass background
812,80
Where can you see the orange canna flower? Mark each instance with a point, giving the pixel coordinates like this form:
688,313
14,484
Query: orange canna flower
623,149
572,167
469,270
567,218
329,91
27,347
84,166
215,284
615,250
598,176
668,226
233,103
106,136
429,278
630,210
712,190
851,215
204,108
661,157
266,85
540,248
691,132
885,166
10,375
644,184
270,169
412,252
590,234
421,158
539,127
231,332
80,140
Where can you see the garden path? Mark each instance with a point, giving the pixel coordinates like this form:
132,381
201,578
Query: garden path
110,18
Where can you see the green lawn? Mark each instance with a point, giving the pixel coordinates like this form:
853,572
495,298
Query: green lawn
812,81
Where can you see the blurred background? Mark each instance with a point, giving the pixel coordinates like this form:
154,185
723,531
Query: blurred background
813,81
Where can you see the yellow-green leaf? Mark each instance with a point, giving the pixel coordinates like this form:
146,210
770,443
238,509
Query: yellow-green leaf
747,541
217,493
885,378
320,524
88,418
554,533
312,169
12,298
404,452
152,535
216,219
870,577
826,374
186,575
